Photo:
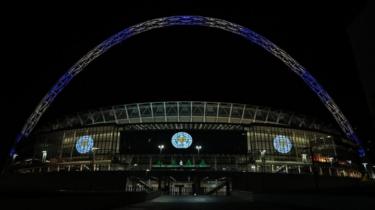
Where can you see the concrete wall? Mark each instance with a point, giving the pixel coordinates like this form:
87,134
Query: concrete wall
258,182
116,181
63,181
73,200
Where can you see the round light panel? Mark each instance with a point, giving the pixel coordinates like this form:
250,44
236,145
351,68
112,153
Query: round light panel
84,144
182,140
282,144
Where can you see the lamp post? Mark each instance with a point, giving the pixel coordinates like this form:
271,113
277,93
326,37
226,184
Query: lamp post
309,150
198,147
313,166
331,162
263,159
93,157
44,156
14,157
161,147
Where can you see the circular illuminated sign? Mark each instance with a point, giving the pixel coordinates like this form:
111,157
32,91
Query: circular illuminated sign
282,144
84,144
182,140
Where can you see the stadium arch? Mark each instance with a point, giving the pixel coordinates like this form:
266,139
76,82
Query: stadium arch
248,34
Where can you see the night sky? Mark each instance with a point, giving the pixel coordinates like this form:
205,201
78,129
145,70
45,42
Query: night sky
182,63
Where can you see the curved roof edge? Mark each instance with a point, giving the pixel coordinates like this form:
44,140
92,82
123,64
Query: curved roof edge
186,112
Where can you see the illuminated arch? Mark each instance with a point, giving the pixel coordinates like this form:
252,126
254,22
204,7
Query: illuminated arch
196,21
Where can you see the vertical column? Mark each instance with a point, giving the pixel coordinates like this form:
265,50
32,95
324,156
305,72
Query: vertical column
159,183
248,141
196,185
61,145
228,182
249,149
215,164
117,133
73,142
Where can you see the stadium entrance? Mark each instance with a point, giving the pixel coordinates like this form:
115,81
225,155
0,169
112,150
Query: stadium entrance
179,184
174,161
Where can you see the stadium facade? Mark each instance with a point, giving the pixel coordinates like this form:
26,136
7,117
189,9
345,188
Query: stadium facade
189,135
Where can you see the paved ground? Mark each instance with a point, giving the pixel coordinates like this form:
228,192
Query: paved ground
202,203
255,202
239,200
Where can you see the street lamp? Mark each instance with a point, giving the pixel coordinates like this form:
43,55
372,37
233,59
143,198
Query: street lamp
331,162
263,159
44,156
198,147
161,147
365,165
14,157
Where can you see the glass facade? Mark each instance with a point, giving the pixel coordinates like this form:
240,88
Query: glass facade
262,138
61,145
271,149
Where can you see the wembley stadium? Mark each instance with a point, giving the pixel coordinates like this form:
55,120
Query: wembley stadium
191,147
189,136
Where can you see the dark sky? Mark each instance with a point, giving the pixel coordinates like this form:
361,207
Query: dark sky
182,63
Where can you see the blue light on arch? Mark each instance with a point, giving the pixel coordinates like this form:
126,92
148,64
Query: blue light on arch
191,20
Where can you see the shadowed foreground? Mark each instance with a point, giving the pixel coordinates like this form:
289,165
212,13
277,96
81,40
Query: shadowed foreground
237,201
249,191
245,200
201,202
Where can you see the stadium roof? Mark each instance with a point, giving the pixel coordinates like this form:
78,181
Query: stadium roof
186,112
